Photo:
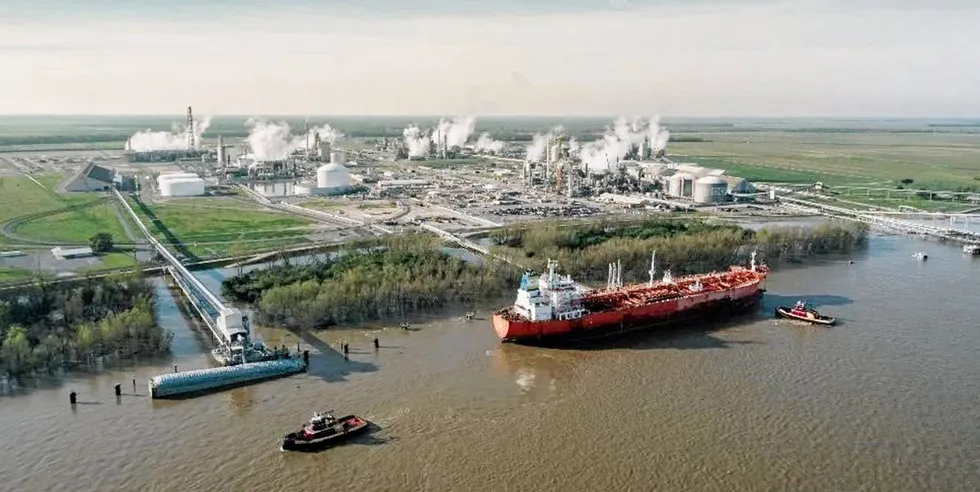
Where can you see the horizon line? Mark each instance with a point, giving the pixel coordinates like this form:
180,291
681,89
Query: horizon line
477,115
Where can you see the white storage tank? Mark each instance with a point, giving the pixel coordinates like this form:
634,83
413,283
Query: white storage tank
337,157
710,189
182,187
332,176
681,185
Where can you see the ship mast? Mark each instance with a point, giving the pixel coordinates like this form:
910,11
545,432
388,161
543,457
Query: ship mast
753,261
653,267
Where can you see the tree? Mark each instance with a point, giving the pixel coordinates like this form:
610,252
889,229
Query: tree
101,242
907,181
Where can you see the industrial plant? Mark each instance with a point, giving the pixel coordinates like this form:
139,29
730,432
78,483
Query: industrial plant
625,167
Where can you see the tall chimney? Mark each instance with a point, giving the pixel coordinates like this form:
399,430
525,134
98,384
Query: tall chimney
191,144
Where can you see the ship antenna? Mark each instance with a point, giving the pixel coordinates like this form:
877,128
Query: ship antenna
653,267
753,260
619,273
609,277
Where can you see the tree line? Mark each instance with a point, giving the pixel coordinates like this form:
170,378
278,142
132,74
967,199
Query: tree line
398,276
683,246
52,325
394,276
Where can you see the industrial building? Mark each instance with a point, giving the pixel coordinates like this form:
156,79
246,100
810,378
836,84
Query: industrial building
180,184
70,253
92,178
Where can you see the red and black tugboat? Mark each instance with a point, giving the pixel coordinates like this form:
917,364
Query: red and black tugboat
322,431
800,312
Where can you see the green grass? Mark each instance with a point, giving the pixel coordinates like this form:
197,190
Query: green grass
76,226
209,231
8,274
940,161
21,196
110,261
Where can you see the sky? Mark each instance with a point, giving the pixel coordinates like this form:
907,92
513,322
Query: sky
723,58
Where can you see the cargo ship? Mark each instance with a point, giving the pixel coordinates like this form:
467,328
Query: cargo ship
553,309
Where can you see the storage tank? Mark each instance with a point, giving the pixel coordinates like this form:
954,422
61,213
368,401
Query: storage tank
681,185
182,187
710,189
333,176
337,157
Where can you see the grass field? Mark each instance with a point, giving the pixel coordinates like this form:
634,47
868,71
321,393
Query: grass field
223,226
933,160
76,225
21,196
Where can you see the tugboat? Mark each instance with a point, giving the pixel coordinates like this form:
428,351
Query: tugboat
801,313
323,430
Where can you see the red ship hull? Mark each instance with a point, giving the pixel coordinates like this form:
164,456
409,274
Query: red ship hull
626,316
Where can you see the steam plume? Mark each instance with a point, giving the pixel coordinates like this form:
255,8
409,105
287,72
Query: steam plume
274,141
537,151
416,141
486,143
603,154
455,132
175,139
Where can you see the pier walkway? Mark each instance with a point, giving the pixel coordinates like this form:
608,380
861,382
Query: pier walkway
228,325
884,222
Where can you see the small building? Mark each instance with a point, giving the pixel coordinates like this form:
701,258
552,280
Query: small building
739,186
92,178
399,183
70,253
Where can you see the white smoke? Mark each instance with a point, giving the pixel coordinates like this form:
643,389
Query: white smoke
604,154
537,150
486,143
454,132
274,141
176,139
327,134
658,135
416,141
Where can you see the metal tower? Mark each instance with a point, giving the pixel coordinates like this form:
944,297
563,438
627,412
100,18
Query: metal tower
191,144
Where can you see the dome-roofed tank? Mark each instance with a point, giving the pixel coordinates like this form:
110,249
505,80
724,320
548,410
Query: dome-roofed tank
333,176
681,185
710,189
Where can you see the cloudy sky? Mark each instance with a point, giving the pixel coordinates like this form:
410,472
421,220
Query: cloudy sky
547,57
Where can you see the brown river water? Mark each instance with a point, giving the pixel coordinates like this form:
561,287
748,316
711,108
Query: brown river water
887,400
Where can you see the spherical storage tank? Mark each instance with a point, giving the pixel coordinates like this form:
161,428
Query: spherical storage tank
332,176
710,189
681,185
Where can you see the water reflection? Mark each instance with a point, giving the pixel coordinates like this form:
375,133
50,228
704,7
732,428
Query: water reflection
534,369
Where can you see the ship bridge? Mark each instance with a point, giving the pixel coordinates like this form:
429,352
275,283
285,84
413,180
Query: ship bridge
229,326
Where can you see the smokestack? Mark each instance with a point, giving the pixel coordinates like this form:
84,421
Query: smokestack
190,129
306,130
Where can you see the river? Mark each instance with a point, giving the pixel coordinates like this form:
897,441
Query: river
887,400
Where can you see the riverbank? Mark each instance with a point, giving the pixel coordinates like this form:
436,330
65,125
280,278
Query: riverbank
50,327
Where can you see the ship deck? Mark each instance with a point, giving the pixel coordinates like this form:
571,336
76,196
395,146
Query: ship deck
641,294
